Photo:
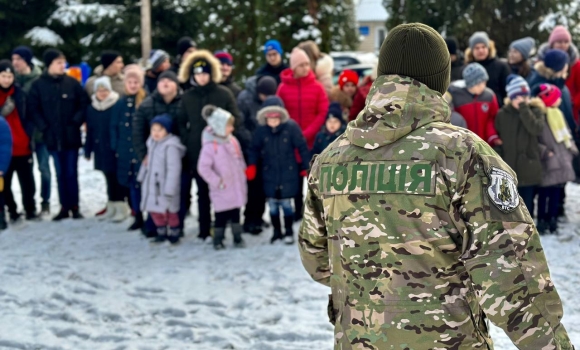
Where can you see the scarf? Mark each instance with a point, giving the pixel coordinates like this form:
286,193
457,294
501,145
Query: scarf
106,103
558,126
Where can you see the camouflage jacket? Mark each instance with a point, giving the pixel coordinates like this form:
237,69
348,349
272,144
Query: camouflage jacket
417,227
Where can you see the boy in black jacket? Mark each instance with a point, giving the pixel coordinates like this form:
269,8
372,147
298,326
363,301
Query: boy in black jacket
274,144
334,127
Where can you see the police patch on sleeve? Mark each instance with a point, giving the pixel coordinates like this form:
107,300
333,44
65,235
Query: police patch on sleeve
502,190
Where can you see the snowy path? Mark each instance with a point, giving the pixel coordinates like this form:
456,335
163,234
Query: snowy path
91,285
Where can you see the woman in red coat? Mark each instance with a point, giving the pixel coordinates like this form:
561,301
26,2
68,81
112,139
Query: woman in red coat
304,97
307,103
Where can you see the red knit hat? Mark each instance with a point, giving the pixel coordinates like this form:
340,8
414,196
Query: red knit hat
549,94
347,76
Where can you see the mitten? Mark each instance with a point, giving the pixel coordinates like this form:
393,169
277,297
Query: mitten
304,173
251,172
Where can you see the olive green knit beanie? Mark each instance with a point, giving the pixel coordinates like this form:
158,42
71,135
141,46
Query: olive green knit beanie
419,52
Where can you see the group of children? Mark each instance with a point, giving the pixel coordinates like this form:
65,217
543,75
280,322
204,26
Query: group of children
530,131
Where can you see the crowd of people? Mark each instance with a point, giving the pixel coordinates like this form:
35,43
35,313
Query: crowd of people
154,130
527,107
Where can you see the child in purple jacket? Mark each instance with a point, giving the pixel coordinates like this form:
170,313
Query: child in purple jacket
221,164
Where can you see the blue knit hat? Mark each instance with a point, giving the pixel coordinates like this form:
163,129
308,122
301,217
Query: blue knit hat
273,101
474,74
273,45
26,53
164,120
556,60
335,111
516,86
524,46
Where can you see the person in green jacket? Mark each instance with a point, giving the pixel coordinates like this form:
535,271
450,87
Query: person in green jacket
519,123
26,75
416,225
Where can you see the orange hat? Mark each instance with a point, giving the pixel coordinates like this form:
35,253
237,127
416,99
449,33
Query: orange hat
347,76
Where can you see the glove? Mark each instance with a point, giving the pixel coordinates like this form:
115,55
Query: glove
8,107
251,172
303,173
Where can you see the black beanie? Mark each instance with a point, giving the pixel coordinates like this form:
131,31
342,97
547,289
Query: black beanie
108,57
419,52
6,66
51,55
169,74
451,45
267,86
201,65
185,44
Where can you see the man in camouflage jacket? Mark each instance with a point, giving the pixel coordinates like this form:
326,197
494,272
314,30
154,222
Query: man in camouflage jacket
417,226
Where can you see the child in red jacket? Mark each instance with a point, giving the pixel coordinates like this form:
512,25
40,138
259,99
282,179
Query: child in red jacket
477,103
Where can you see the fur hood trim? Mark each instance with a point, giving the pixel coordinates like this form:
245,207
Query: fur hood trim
534,102
262,114
324,66
548,73
185,68
492,53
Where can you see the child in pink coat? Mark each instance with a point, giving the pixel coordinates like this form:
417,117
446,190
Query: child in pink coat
221,164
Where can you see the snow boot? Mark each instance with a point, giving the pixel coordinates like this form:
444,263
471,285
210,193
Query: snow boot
277,229
553,226
76,213
64,214
161,235
218,238
289,236
103,211
109,212
173,235
15,217
138,223
3,224
45,209
120,212
32,216
237,230
542,227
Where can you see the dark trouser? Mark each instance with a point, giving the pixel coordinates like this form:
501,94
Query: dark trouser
548,202
23,167
203,202
222,219
66,166
256,201
115,191
528,193
135,194
299,200
43,159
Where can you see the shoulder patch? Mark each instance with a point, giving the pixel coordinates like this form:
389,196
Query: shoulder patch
502,190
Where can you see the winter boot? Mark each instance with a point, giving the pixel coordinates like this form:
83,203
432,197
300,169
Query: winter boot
161,235
173,235
109,212
553,226
218,238
237,230
15,217
289,236
32,216
120,212
76,213
103,211
138,223
3,224
542,227
277,229
45,209
64,214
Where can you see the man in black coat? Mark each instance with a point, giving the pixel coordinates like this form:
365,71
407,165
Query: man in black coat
227,67
274,62
57,105
203,69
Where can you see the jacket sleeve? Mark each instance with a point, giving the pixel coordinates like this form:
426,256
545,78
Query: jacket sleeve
173,174
503,256
83,103
321,110
499,123
89,141
358,104
139,129
114,125
493,110
35,107
566,108
205,167
532,119
573,84
241,133
313,237
299,143
255,151
505,72
5,145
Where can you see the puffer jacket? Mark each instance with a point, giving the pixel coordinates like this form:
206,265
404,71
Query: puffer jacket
121,140
274,150
161,178
5,145
479,112
306,101
98,140
249,104
221,164
152,106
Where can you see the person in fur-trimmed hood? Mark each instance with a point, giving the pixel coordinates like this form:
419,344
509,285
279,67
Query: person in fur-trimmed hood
482,50
321,63
221,164
518,124
202,71
274,147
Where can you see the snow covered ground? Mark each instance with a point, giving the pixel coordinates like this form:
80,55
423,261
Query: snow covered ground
93,285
